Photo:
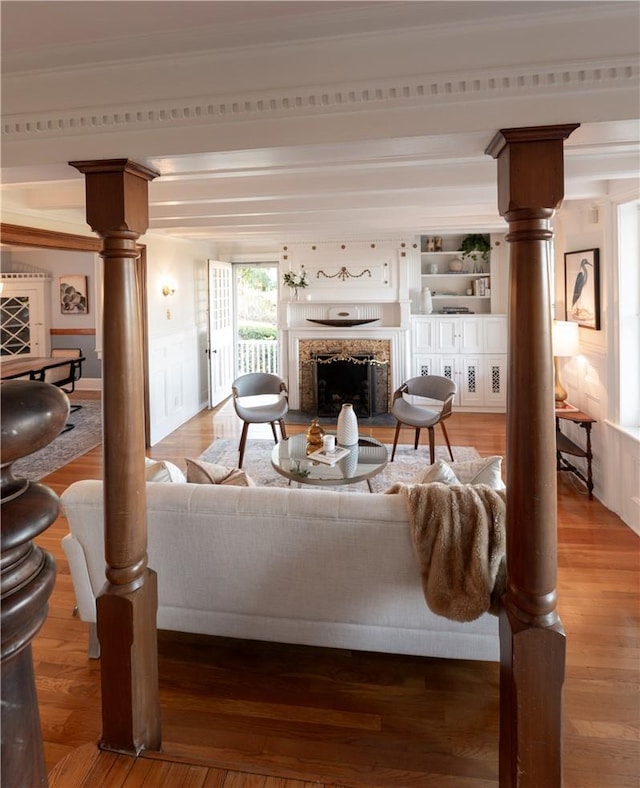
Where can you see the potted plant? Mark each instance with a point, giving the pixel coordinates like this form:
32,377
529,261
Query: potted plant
296,281
476,246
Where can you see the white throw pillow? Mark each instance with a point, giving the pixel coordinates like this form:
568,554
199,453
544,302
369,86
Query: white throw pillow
163,471
438,472
482,471
201,472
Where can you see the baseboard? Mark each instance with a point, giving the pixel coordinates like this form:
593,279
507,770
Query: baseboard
89,384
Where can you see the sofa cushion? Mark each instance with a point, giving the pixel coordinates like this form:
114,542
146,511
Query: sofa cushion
485,470
163,471
200,472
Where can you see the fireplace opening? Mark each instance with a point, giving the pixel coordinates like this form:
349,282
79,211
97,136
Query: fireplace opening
357,379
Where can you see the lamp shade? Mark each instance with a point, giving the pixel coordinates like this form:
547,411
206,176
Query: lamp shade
565,338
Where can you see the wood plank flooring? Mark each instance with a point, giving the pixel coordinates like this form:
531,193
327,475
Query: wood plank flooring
240,713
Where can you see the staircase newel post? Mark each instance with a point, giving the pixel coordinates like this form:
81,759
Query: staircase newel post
117,211
33,414
532,640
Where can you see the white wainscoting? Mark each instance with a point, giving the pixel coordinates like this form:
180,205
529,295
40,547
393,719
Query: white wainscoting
173,381
623,474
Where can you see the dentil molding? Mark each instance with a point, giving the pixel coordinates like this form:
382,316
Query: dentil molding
416,91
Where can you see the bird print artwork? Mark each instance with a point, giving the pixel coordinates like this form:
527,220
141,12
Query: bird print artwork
581,290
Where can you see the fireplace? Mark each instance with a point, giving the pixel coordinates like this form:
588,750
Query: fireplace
332,372
359,379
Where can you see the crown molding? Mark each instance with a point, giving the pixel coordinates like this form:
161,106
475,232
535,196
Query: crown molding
410,92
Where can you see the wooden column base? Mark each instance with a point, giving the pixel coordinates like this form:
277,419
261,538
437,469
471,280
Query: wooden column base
531,703
130,710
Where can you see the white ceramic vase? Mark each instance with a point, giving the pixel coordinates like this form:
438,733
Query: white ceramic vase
426,301
347,432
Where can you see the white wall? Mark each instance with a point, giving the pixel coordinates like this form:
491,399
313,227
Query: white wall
177,325
591,378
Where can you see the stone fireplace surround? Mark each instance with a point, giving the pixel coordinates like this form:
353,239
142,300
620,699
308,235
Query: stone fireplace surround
378,349
384,344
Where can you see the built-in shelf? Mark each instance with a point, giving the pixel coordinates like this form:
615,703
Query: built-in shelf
455,274
458,297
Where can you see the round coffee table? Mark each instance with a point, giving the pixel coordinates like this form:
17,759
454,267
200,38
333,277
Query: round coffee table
364,461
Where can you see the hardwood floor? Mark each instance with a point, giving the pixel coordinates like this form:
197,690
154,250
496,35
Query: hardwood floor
241,713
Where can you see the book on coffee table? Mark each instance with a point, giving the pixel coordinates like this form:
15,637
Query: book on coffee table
329,457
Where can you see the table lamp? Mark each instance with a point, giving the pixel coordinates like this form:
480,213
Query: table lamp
566,344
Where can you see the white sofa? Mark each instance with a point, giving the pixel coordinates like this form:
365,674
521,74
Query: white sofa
315,567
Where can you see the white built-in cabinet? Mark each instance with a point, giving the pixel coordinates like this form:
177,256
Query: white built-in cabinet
470,350
24,315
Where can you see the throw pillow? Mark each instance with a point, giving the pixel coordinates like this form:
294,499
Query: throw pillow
483,471
163,471
438,472
201,472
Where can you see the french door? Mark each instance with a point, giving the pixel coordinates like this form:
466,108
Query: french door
221,331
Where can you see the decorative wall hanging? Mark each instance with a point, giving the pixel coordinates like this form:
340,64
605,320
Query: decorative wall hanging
344,274
73,295
582,287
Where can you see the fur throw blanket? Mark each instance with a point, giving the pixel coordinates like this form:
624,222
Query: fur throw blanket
459,537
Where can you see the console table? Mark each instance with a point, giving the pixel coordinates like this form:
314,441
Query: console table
566,446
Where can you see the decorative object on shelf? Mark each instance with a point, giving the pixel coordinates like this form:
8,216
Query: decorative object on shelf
456,266
566,344
347,433
477,247
431,244
315,434
426,301
343,323
344,274
582,287
433,268
296,282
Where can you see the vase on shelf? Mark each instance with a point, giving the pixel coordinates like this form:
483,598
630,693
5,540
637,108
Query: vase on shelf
426,302
347,432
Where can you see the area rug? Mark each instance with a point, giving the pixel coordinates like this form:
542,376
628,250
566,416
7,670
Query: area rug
257,463
86,435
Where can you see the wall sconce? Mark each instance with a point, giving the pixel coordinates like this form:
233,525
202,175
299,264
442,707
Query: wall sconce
566,344
168,289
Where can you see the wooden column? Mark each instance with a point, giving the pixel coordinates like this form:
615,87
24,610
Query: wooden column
33,414
532,640
117,210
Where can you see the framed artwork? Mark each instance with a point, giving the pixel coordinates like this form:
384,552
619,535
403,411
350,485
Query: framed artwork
582,287
73,295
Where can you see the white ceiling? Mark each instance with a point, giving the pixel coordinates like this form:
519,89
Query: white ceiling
354,180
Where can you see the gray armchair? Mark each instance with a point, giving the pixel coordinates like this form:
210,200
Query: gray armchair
271,404
437,393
